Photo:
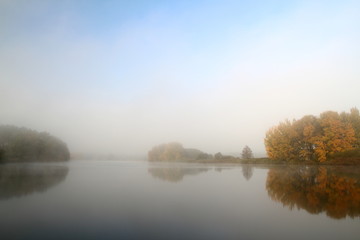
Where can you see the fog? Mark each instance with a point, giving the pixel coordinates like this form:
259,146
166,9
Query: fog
112,77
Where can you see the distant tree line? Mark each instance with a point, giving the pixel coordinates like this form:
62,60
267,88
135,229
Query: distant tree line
22,144
314,138
176,152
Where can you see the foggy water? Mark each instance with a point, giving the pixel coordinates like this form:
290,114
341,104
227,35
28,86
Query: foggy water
141,200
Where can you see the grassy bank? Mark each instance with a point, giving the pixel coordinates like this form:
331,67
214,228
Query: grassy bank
350,157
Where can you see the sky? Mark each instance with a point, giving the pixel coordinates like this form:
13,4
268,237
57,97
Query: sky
120,77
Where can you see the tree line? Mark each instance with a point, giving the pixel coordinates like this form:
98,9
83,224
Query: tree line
314,138
174,151
22,144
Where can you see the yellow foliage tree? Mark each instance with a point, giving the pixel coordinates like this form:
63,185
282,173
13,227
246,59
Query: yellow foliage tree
307,129
353,118
280,142
312,138
337,136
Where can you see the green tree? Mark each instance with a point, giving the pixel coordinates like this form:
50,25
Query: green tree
22,144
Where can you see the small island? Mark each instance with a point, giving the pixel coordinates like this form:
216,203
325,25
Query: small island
174,151
26,145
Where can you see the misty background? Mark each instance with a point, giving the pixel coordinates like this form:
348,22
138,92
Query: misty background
118,77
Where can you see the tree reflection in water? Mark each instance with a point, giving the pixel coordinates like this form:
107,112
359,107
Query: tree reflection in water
333,190
247,171
174,174
17,180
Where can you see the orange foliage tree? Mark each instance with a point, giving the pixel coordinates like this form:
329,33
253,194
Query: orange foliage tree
314,138
353,118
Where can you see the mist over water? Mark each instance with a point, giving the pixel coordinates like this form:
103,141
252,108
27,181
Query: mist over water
120,77
100,83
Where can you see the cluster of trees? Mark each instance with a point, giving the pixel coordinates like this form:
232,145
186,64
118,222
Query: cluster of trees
175,152
316,189
314,138
22,144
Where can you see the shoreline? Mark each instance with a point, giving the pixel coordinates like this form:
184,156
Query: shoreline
267,161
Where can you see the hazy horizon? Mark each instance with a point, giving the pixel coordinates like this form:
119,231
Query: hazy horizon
119,77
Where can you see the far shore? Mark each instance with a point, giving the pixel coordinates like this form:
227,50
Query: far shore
349,162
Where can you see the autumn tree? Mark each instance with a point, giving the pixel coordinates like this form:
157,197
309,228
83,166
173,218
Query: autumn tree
246,153
337,136
307,129
313,138
353,118
281,142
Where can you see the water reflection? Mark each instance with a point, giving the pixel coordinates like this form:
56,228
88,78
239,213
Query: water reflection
333,190
17,180
247,171
174,174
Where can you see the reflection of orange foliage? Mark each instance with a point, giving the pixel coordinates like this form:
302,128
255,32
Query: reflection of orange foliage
315,190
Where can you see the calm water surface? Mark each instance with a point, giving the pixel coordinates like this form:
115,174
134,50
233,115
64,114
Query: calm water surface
141,200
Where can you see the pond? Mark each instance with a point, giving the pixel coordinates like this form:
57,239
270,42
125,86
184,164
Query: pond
142,200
